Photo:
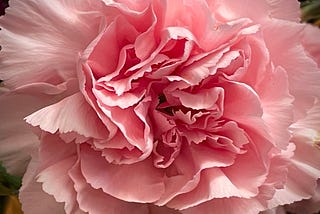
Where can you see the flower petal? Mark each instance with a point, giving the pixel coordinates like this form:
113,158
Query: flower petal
249,106
16,137
309,206
56,158
55,45
310,41
70,114
302,70
227,205
263,9
31,192
302,173
125,182
277,106
96,201
55,181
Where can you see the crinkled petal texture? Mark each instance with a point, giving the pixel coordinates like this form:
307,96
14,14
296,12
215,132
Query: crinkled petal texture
176,106
40,41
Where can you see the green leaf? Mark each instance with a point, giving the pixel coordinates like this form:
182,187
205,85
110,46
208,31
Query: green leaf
9,184
310,11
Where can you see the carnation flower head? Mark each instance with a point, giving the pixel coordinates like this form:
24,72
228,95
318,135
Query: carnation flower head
177,106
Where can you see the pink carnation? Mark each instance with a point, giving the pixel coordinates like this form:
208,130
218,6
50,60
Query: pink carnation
154,106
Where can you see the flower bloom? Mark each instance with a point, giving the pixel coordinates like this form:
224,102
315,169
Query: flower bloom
177,106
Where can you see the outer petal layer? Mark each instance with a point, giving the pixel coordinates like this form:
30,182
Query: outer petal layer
49,54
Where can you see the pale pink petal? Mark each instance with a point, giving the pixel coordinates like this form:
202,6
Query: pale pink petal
228,33
118,34
118,150
172,13
125,100
233,138
145,43
142,21
277,175
302,173
263,9
166,149
138,135
175,47
227,205
299,186
86,81
56,158
311,43
254,166
16,137
256,60
284,9
66,88
302,70
185,173
55,181
249,104
200,66
311,121
234,84
213,184
130,5
72,114
181,178
205,156
53,149
208,35
168,21
208,99
145,183
31,193
54,47
276,210
135,11
153,209
96,201
307,156
307,206
278,170
277,106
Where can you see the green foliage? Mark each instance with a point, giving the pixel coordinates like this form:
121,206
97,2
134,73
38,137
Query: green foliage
9,188
9,184
310,10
